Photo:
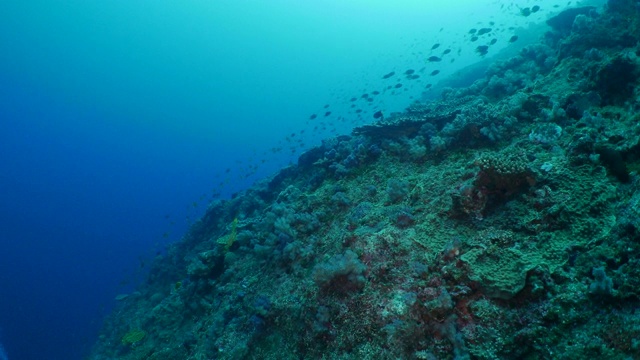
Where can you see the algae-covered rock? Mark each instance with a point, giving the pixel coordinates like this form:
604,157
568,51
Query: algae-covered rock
501,274
206,264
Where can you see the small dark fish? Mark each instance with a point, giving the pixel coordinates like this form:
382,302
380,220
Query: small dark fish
435,46
473,31
535,9
353,99
434,59
358,111
484,31
482,50
492,23
313,116
398,86
493,41
364,96
327,113
446,52
389,75
370,99
525,12
413,77
409,72
378,115
435,72
428,86
474,38
514,38
376,92
326,106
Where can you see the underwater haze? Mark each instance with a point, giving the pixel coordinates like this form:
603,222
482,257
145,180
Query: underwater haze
121,120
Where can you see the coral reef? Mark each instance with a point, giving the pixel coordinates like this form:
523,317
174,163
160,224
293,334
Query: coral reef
501,222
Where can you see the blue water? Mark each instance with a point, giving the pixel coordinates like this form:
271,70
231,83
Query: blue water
120,121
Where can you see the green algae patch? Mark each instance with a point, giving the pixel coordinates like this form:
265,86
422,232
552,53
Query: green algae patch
133,337
229,240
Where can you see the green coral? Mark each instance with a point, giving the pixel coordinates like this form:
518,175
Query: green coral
133,336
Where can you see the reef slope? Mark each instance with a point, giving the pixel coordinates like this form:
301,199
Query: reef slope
500,222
